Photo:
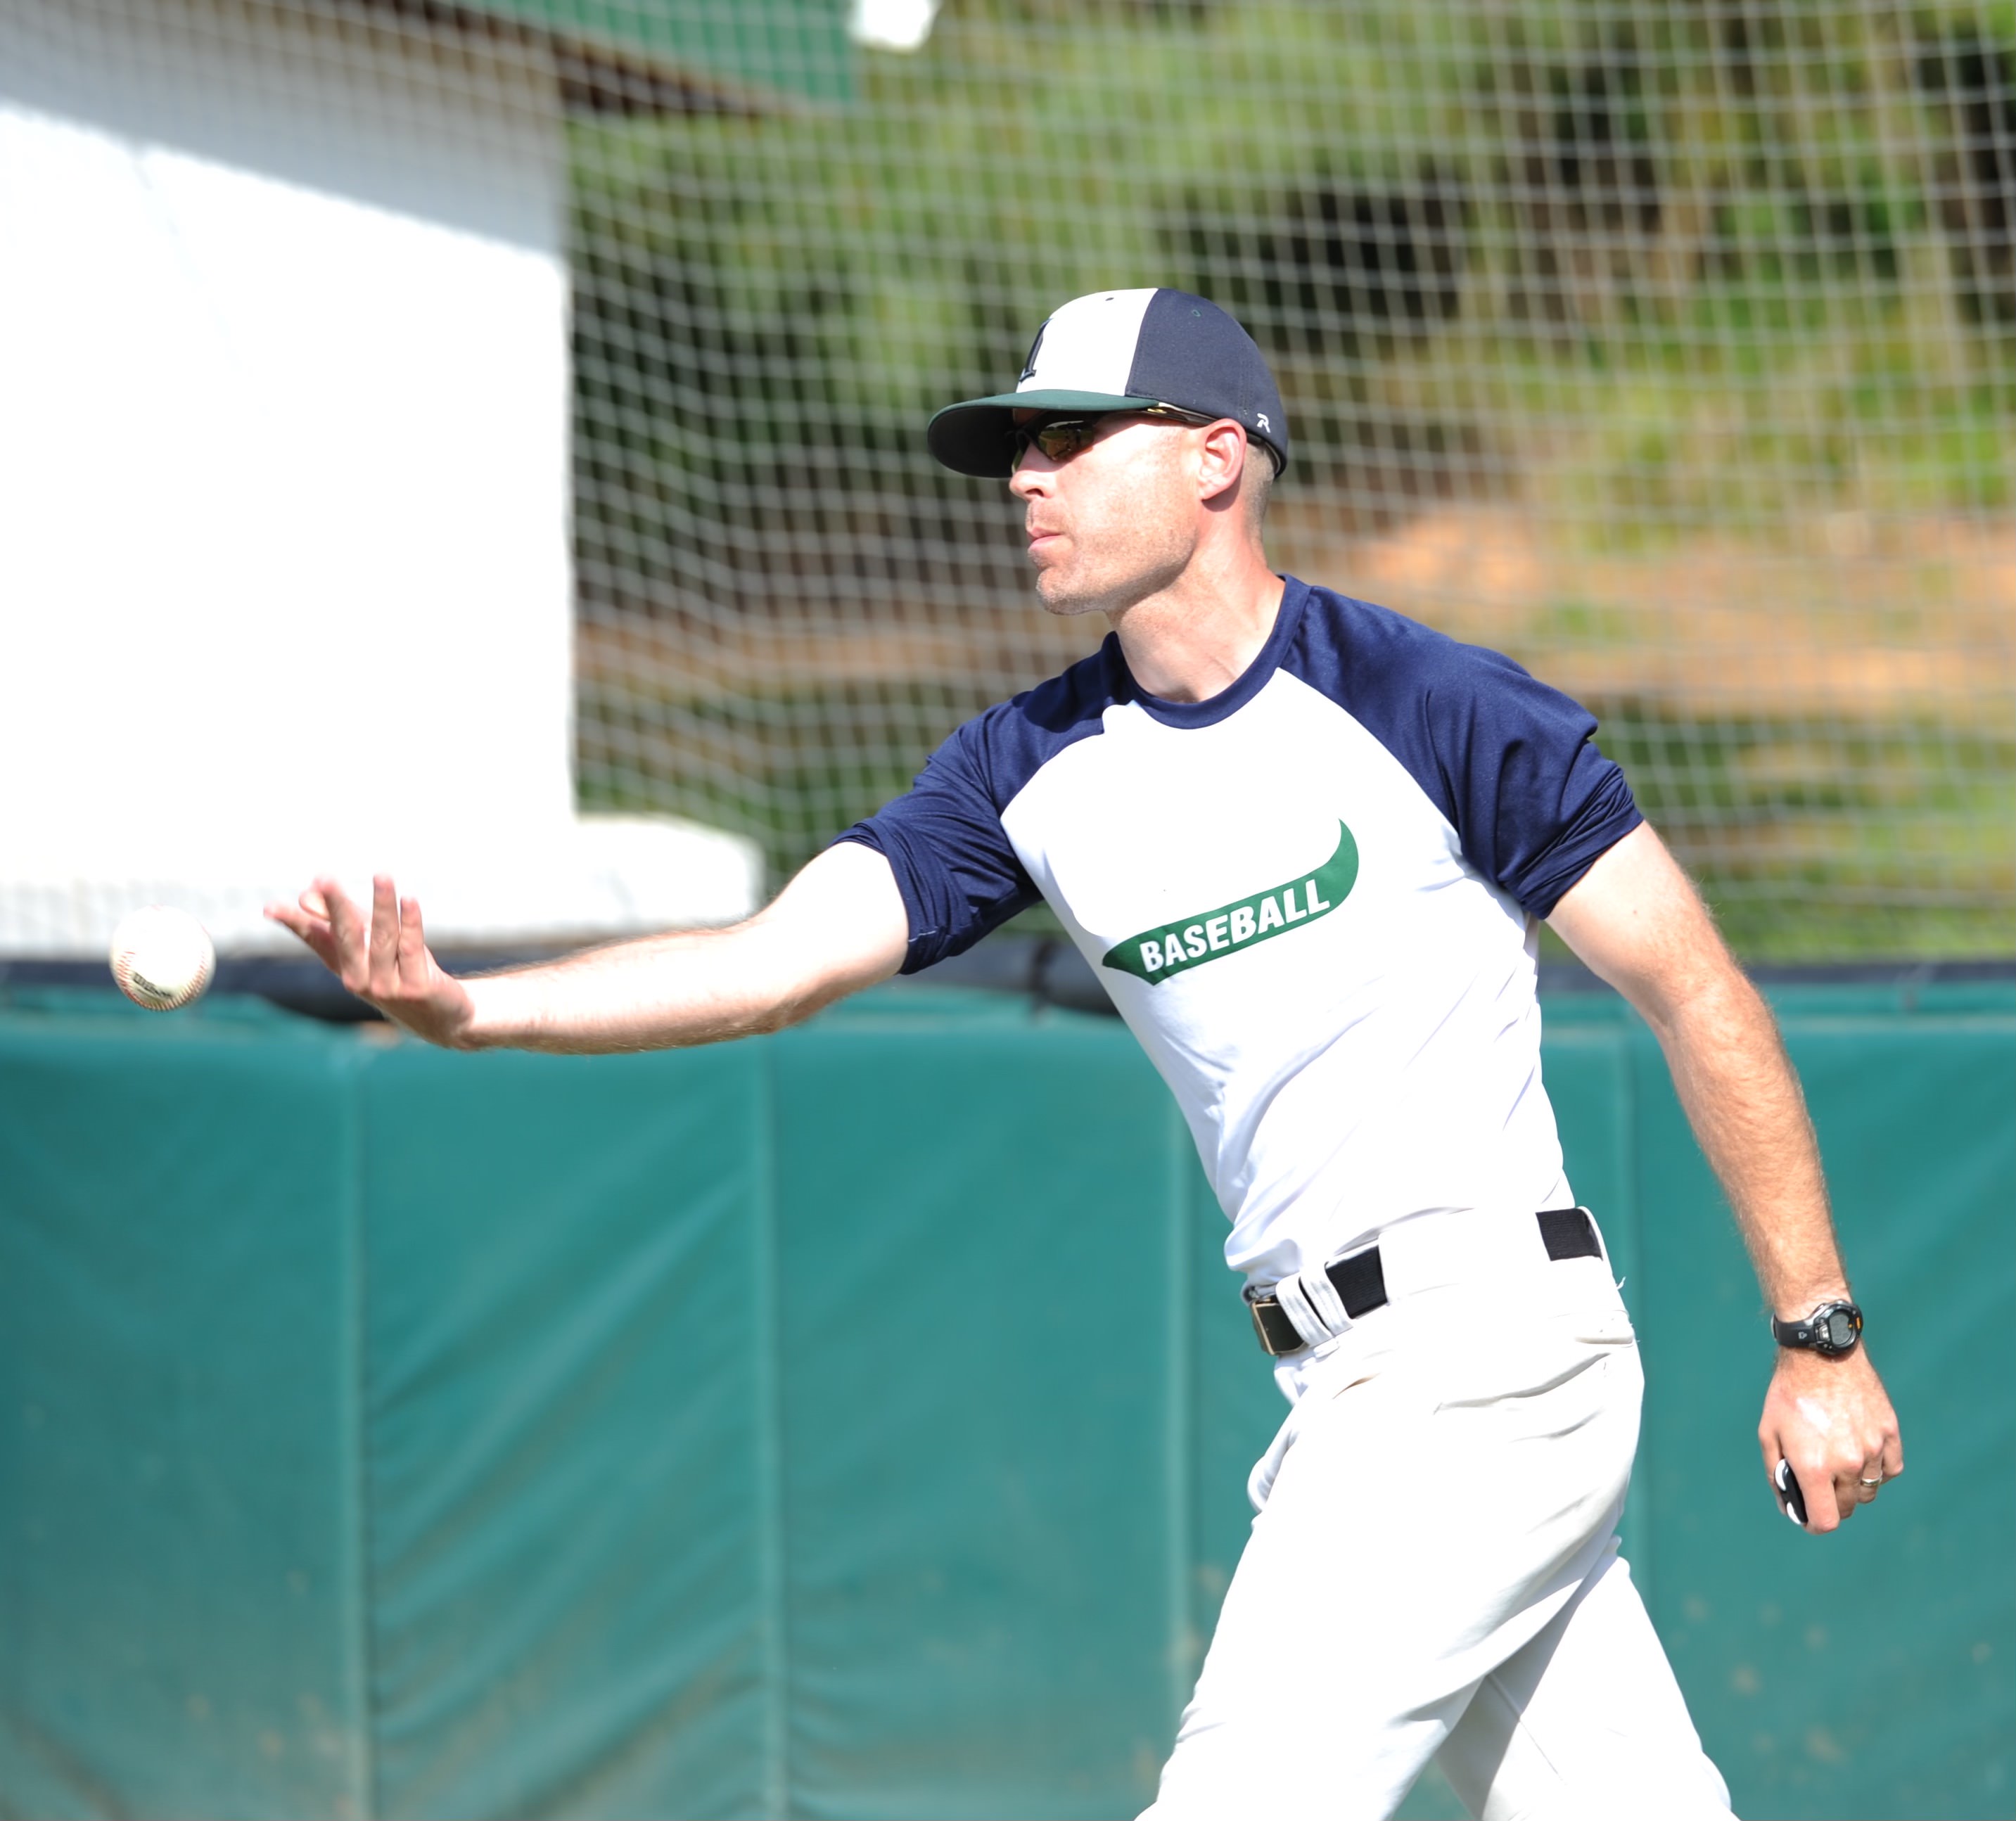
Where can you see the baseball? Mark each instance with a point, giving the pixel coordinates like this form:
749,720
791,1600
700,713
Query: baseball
162,957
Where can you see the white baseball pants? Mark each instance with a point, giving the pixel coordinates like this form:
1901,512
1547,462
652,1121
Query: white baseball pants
1434,1571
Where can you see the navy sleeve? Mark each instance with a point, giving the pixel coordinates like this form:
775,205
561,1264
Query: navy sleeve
1534,800
1508,760
944,840
954,864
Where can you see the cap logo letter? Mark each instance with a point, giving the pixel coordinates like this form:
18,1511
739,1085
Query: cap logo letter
1029,365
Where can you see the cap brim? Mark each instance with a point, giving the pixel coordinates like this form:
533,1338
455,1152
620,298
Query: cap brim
972,438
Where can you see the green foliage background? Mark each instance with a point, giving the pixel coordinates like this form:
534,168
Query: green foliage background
1653,276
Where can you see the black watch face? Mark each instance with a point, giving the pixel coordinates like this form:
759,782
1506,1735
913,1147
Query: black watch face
1840,1329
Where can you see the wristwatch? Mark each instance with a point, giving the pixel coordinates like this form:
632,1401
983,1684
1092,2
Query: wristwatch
1833,1328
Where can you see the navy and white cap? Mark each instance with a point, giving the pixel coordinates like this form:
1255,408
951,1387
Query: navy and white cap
1122,351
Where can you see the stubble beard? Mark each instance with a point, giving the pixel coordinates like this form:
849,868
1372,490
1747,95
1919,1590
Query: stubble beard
1133,563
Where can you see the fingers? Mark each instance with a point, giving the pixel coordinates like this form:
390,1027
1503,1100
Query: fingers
1808,1465
313,930
1804,1450
1852,1485
1830,1504
308,918
381,954
415,964
349,935
335,929
1884,1462
382,944
301,921
1882,1450
1831,1498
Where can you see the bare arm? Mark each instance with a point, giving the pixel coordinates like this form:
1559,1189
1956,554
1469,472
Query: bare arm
1638,922
838,926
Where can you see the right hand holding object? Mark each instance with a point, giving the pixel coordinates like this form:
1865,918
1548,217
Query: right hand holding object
1830,1422
383,957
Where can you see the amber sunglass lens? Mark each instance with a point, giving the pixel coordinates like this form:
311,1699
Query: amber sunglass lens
1064,438
1059,438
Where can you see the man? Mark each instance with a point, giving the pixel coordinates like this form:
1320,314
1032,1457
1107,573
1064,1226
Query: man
1307,843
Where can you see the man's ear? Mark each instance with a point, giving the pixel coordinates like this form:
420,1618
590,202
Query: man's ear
1226,454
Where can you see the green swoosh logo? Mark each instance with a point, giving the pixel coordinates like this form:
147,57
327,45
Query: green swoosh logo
1156,955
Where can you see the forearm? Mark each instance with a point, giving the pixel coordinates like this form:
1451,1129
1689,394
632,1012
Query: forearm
1635,918
1743,1099
665,991
840,925
1637,921
1830,1419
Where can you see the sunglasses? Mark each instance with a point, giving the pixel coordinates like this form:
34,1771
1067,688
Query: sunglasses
1061,438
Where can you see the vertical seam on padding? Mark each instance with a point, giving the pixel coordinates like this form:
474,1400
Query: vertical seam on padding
768,1429
1180,1417
354,1064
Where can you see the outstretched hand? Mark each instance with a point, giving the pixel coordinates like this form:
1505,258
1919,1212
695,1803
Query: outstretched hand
382,956
1832,1420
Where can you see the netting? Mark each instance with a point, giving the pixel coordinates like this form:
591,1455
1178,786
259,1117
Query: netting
1670,348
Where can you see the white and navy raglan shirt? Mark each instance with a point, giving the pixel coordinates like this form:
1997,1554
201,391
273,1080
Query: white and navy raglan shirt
1314,898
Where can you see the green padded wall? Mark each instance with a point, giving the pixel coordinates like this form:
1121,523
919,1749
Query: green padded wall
564,1602
179,1521
855,1423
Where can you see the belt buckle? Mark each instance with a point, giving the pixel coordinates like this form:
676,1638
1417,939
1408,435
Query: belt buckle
1253,1305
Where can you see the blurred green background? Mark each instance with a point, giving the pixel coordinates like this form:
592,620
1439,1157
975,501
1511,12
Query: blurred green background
1671,348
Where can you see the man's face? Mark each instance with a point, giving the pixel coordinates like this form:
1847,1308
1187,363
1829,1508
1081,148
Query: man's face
1113,522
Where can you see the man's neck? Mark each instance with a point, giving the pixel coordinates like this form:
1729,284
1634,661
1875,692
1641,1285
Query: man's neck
1196,638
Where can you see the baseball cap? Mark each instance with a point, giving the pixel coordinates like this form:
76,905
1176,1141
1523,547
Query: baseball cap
1122,351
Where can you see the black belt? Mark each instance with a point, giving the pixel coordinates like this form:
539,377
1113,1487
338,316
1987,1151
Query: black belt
1567,1233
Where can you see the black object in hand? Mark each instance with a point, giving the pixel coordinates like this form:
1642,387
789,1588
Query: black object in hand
1789,1491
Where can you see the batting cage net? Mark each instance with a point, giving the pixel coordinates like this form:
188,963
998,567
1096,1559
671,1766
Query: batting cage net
1671,349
